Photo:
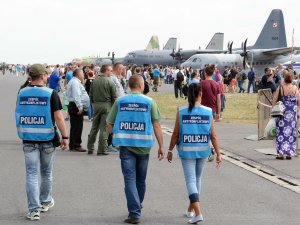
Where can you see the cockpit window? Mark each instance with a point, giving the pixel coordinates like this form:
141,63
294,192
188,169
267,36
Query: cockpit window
131,55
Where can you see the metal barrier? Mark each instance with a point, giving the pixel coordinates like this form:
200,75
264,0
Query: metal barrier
264,97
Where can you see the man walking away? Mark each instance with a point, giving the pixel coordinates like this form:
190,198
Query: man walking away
103,95
132,120
241,77
251,80
37,110
156,75
178,80
211,96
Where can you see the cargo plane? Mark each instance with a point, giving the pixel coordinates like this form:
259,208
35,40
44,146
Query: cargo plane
269,49
169,55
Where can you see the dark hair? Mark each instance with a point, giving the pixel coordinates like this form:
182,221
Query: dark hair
137,69
193,93
209,70
194,74
104,68
266,69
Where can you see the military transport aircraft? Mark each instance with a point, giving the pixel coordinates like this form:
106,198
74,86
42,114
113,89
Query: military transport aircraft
168,56
269,49
110,59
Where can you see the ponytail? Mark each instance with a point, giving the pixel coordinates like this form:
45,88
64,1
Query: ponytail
193,93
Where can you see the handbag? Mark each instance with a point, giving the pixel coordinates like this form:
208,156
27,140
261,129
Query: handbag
278,109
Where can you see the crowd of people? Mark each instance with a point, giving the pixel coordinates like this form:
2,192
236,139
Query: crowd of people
114,99
128,122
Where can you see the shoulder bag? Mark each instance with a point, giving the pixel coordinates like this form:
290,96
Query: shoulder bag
278,109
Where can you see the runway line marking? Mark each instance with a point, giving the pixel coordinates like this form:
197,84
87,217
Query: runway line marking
262,171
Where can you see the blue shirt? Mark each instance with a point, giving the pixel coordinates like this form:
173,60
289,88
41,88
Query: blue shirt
156,72
54,81
69,76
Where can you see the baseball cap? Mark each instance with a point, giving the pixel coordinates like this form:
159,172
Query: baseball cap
37,69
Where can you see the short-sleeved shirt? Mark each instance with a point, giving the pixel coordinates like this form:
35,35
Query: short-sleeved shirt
210,90
156,72
266,84
155,116
69,76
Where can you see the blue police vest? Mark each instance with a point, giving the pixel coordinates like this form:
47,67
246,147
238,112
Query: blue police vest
133,126
33,114
195,129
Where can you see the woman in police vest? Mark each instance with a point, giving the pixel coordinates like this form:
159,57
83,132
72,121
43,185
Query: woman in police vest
194,129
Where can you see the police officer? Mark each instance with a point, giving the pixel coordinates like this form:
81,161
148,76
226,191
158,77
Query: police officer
132,120
37,110
194,128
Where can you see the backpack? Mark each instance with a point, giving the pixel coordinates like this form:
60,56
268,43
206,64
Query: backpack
179,77
185,89
244,76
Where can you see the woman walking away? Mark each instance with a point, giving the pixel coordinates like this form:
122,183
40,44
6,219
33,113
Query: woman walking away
194,129
286,125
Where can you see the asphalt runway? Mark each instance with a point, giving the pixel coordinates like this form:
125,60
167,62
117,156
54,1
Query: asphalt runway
89,189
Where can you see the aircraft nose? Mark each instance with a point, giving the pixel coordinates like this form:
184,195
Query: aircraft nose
185,64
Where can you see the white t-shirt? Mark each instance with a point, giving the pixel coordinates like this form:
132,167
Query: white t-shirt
128,74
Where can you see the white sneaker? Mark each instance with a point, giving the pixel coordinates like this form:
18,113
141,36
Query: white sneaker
47,205
189,214
196,219
34,215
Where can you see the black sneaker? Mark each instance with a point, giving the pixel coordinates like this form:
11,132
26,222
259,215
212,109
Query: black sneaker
132,220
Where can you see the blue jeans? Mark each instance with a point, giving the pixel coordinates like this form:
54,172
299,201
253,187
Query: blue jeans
193,170
134,169
38,159
90,111
240,84
251,82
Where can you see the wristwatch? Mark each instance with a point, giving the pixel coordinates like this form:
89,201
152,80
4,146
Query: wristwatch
64,137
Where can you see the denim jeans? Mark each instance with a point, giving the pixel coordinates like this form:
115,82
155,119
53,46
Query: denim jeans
193,170
38,159
240,84
251,83
134,169
90,111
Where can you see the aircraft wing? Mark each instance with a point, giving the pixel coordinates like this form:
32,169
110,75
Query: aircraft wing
210,51
280,51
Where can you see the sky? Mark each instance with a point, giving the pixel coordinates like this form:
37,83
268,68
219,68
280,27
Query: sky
57,31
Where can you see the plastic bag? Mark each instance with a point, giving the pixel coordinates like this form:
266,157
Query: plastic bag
270,129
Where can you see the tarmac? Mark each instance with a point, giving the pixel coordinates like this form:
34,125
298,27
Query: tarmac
250,188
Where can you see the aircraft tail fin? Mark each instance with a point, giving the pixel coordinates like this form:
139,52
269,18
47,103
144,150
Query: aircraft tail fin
171,44
216,43
273,32
153,43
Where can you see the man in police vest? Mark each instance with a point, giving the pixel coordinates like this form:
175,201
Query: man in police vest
37,110
132,120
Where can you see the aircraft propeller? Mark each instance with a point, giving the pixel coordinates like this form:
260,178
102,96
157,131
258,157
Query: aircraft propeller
173,53
229,48
244,54
113,58
176,55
